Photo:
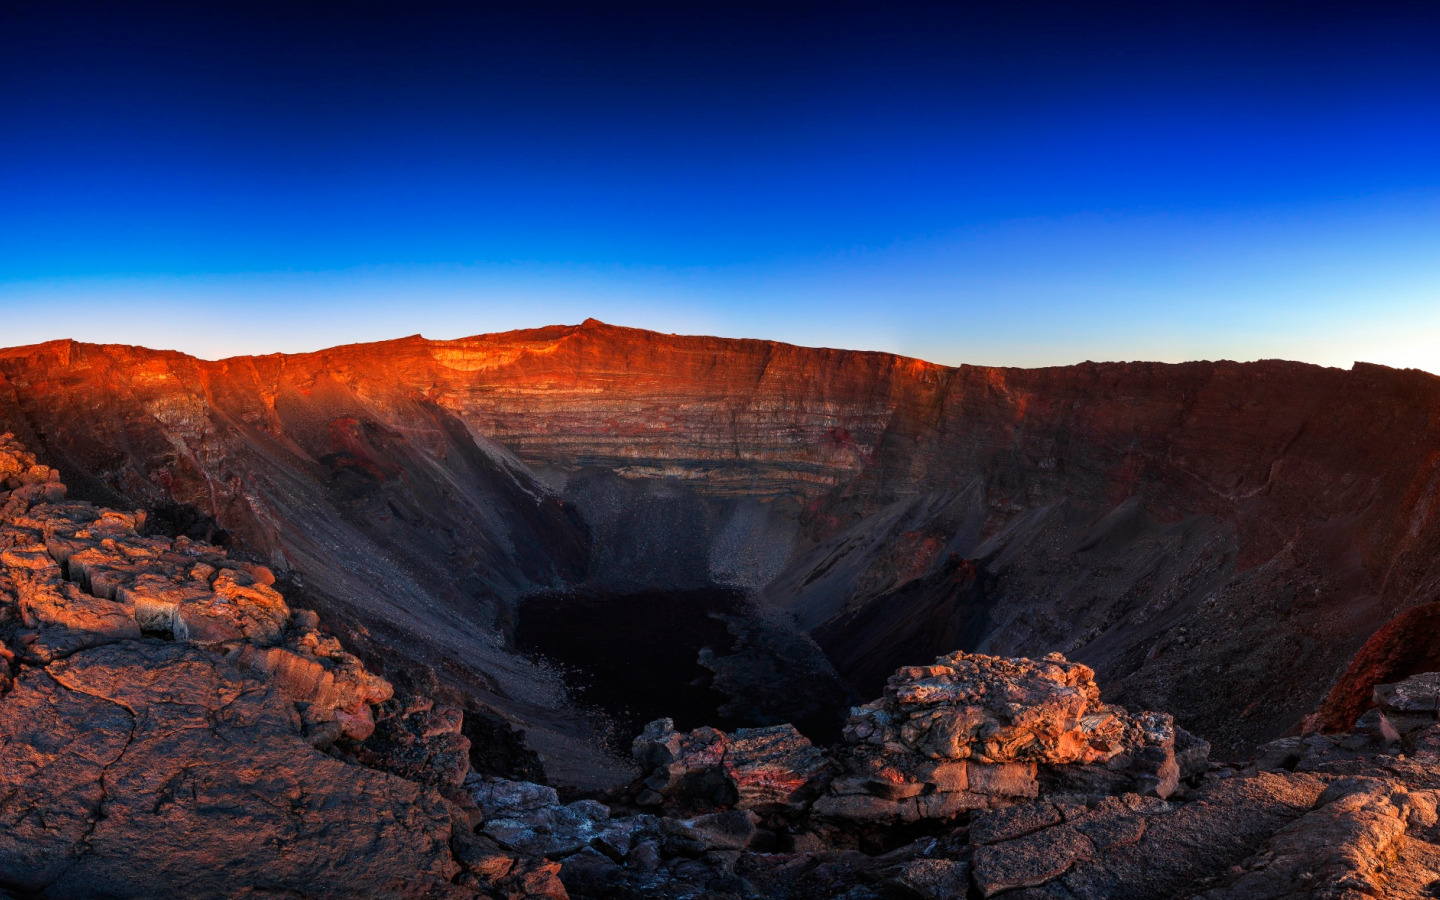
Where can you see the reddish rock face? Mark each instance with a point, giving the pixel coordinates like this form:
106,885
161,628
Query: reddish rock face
1215,539
1409,644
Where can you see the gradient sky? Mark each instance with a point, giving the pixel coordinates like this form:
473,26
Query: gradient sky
1015,184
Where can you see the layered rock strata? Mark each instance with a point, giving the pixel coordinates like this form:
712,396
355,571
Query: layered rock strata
1149,520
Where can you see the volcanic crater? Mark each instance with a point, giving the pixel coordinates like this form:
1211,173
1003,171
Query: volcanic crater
567,533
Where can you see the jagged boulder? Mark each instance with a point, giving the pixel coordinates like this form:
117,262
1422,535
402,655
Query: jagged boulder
974,732
771,769
1407,714
332,688
992,709
970,732
1404,718
418,739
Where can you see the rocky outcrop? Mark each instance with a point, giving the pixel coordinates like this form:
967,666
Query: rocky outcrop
163,714
137,768
973,727
84,577
1337,823
773,770
1340,848
970,732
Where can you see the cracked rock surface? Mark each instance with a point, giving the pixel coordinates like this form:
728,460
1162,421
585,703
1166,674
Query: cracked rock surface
162,720
140,763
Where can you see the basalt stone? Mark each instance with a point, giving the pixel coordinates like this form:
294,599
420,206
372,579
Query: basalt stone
1417,694
773,769
1029,860
933,879
104,741
733,830
1012,822
973,731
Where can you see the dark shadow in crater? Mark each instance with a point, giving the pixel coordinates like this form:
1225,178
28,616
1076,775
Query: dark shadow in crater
173,520
704,656
635,656
945,611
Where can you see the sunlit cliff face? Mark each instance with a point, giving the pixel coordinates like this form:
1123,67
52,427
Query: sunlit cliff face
1254,523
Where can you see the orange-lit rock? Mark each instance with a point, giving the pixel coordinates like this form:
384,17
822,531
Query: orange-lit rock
141,755
1247,521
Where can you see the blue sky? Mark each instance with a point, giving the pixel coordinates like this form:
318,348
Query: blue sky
1022,184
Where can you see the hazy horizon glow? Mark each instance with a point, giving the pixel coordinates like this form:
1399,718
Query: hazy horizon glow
1039,186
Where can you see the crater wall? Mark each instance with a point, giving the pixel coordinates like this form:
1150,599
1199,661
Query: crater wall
1215,538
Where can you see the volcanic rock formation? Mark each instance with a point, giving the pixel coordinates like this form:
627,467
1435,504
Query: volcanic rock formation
1254,523
170,726
161,710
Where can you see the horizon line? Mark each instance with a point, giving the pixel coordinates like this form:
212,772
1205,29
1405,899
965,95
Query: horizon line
592,322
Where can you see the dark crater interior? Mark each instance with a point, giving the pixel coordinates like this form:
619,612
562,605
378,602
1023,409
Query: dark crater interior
636,656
